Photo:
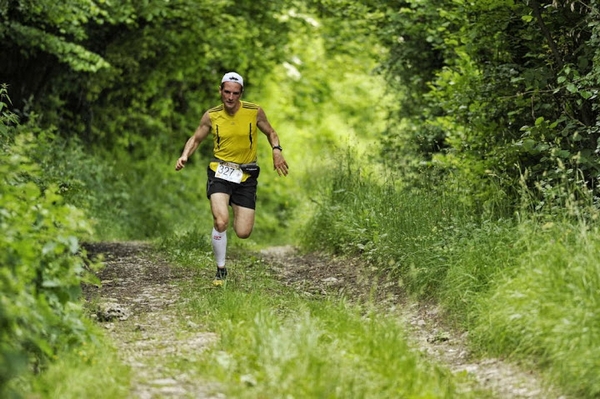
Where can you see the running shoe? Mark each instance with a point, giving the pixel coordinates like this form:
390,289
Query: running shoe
220,276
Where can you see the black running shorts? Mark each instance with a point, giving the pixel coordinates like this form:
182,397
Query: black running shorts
241,194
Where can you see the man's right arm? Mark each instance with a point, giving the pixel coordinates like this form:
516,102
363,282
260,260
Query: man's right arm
193,142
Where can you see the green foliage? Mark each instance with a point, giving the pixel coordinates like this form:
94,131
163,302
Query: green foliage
42,265
496,88
121,73
56,28
75,55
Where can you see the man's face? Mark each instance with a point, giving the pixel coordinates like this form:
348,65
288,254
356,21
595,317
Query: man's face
230,95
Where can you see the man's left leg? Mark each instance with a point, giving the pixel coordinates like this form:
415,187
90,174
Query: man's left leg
243,220
243,203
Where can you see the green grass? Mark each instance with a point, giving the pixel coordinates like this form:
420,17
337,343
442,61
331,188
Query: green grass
526,288
546,310
409,232
91,371
478,254
276,343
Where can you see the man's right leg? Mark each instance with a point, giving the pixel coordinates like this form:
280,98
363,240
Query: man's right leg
219,245
219,203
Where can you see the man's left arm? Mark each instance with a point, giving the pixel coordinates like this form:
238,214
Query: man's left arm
279,163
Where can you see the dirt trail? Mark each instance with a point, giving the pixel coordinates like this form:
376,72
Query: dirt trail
139,291
136,304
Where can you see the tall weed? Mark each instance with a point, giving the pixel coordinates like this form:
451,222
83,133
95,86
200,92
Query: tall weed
546,310
478,254
404,231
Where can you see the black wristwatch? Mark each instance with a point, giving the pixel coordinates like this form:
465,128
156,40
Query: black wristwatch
277,147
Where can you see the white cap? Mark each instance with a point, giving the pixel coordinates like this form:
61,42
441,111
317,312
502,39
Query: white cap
232,77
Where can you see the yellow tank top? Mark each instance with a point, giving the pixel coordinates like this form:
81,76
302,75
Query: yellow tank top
235,137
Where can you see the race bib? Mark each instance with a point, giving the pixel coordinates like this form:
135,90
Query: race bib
230,172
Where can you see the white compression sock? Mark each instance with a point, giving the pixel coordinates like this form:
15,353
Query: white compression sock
219,244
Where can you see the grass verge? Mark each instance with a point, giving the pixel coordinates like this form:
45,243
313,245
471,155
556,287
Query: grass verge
545,311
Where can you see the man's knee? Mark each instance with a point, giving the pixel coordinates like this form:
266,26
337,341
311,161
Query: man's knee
243,233
220,227
243,227
220,224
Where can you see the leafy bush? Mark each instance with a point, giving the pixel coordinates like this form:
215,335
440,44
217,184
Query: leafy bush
41,263
496,88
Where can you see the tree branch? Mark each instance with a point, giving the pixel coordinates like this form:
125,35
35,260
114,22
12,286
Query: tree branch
537,13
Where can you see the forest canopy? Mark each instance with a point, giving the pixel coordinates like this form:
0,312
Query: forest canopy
120,72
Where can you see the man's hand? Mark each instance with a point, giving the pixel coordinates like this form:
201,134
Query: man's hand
181,163
279,163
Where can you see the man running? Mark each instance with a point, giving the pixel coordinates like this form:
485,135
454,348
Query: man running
233,173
